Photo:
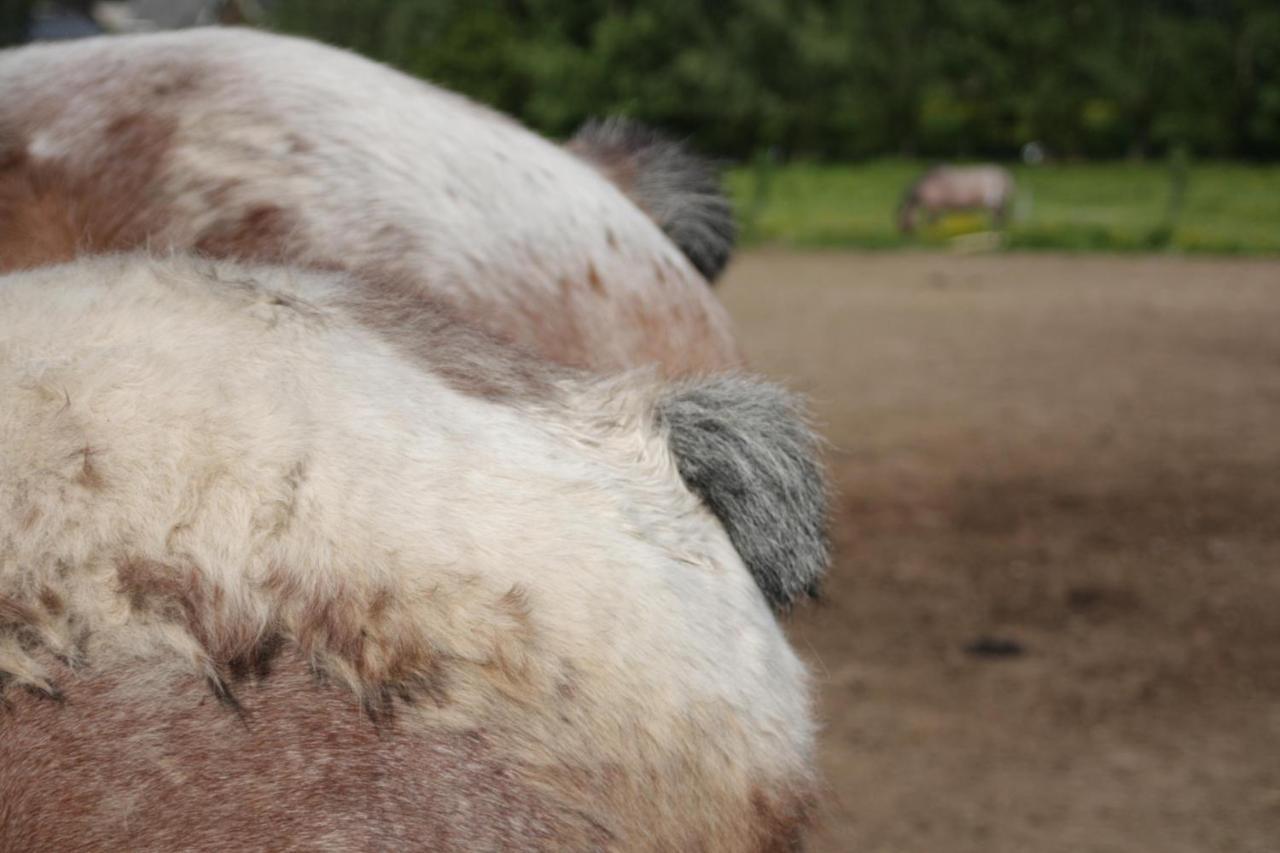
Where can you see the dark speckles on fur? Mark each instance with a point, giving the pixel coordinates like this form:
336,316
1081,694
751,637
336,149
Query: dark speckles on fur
89,476
255,663
679,191
16,615
222,692
262,232
51,602
744,447
593,279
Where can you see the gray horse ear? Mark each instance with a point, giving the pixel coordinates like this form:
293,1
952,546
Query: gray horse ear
745,448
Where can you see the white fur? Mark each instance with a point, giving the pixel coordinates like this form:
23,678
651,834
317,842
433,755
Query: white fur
376,172
239,436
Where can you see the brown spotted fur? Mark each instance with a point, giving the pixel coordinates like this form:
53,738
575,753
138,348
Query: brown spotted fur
576,660
200,141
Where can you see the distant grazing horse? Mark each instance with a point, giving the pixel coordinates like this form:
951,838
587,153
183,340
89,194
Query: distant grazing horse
287,563
947,188
245,145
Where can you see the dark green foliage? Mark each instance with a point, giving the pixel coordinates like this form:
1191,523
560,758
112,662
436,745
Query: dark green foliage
14,15
850,78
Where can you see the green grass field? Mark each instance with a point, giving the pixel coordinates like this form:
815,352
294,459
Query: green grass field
1226,208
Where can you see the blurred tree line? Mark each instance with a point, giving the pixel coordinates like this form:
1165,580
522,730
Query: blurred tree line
14,15
851,78
843,79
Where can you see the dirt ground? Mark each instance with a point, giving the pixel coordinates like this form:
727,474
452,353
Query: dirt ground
1054,619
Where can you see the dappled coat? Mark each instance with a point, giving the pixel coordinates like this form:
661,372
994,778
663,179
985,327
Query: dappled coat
282,558
241,144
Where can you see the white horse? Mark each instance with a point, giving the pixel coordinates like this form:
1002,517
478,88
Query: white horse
241,144
950,188
238,505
